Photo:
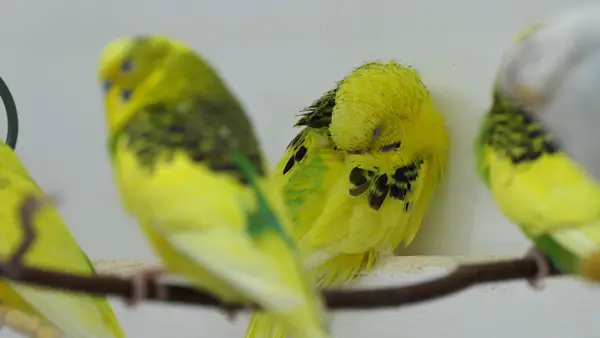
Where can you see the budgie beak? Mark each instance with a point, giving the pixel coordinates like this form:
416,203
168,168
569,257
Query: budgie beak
112,105
110,98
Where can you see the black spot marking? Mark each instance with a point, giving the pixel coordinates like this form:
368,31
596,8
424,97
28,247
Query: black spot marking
357,176
550,147
381,183
376,198
536,133
406,206
398,192
288,165
526,157
406,173
300,154
357,191
295,141
514,133
398,185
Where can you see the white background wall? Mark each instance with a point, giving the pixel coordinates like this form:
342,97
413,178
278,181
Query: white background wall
279,56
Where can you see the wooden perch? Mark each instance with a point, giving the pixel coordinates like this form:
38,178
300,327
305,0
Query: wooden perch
463,277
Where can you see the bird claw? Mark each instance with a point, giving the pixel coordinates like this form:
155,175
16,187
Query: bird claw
543,269
140,281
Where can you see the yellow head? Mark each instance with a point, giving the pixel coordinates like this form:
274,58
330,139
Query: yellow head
125,64
378,107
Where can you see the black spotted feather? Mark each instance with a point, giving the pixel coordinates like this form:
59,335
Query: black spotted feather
512,132
377,186
158,131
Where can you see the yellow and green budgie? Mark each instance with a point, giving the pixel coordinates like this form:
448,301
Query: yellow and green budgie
545,89
205,207
359,176
56,313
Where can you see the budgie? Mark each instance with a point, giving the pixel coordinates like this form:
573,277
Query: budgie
59,314
546,79
565,82
358,177
201,197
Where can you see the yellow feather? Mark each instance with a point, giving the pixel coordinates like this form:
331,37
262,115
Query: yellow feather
55,248
525,195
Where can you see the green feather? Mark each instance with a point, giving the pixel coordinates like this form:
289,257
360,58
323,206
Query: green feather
561,258
263,219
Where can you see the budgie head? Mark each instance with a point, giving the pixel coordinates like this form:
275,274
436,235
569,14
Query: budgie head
543,56
127,62
553,73
125,65
378,106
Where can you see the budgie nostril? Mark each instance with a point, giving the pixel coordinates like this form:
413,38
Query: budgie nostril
126,94
106,86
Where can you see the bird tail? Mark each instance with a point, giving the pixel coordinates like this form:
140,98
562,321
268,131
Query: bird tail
264,325
334,273
574,250
342,269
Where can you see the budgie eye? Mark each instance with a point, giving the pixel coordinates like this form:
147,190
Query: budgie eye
106,86
390,147
126,94
126,66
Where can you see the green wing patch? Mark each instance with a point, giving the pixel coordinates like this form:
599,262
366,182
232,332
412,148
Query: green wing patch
263,218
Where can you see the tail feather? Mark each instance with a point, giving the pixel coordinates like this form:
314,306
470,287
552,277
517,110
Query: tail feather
573,250
334,273
342,269
262,325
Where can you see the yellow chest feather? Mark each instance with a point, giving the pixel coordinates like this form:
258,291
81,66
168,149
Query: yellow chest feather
549,193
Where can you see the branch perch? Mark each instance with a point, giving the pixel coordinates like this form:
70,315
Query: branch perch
463,277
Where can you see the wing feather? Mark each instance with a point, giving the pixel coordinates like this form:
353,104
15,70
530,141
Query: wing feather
55,248
233,256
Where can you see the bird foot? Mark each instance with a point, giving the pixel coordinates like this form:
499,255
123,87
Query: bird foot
140,281
543,269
